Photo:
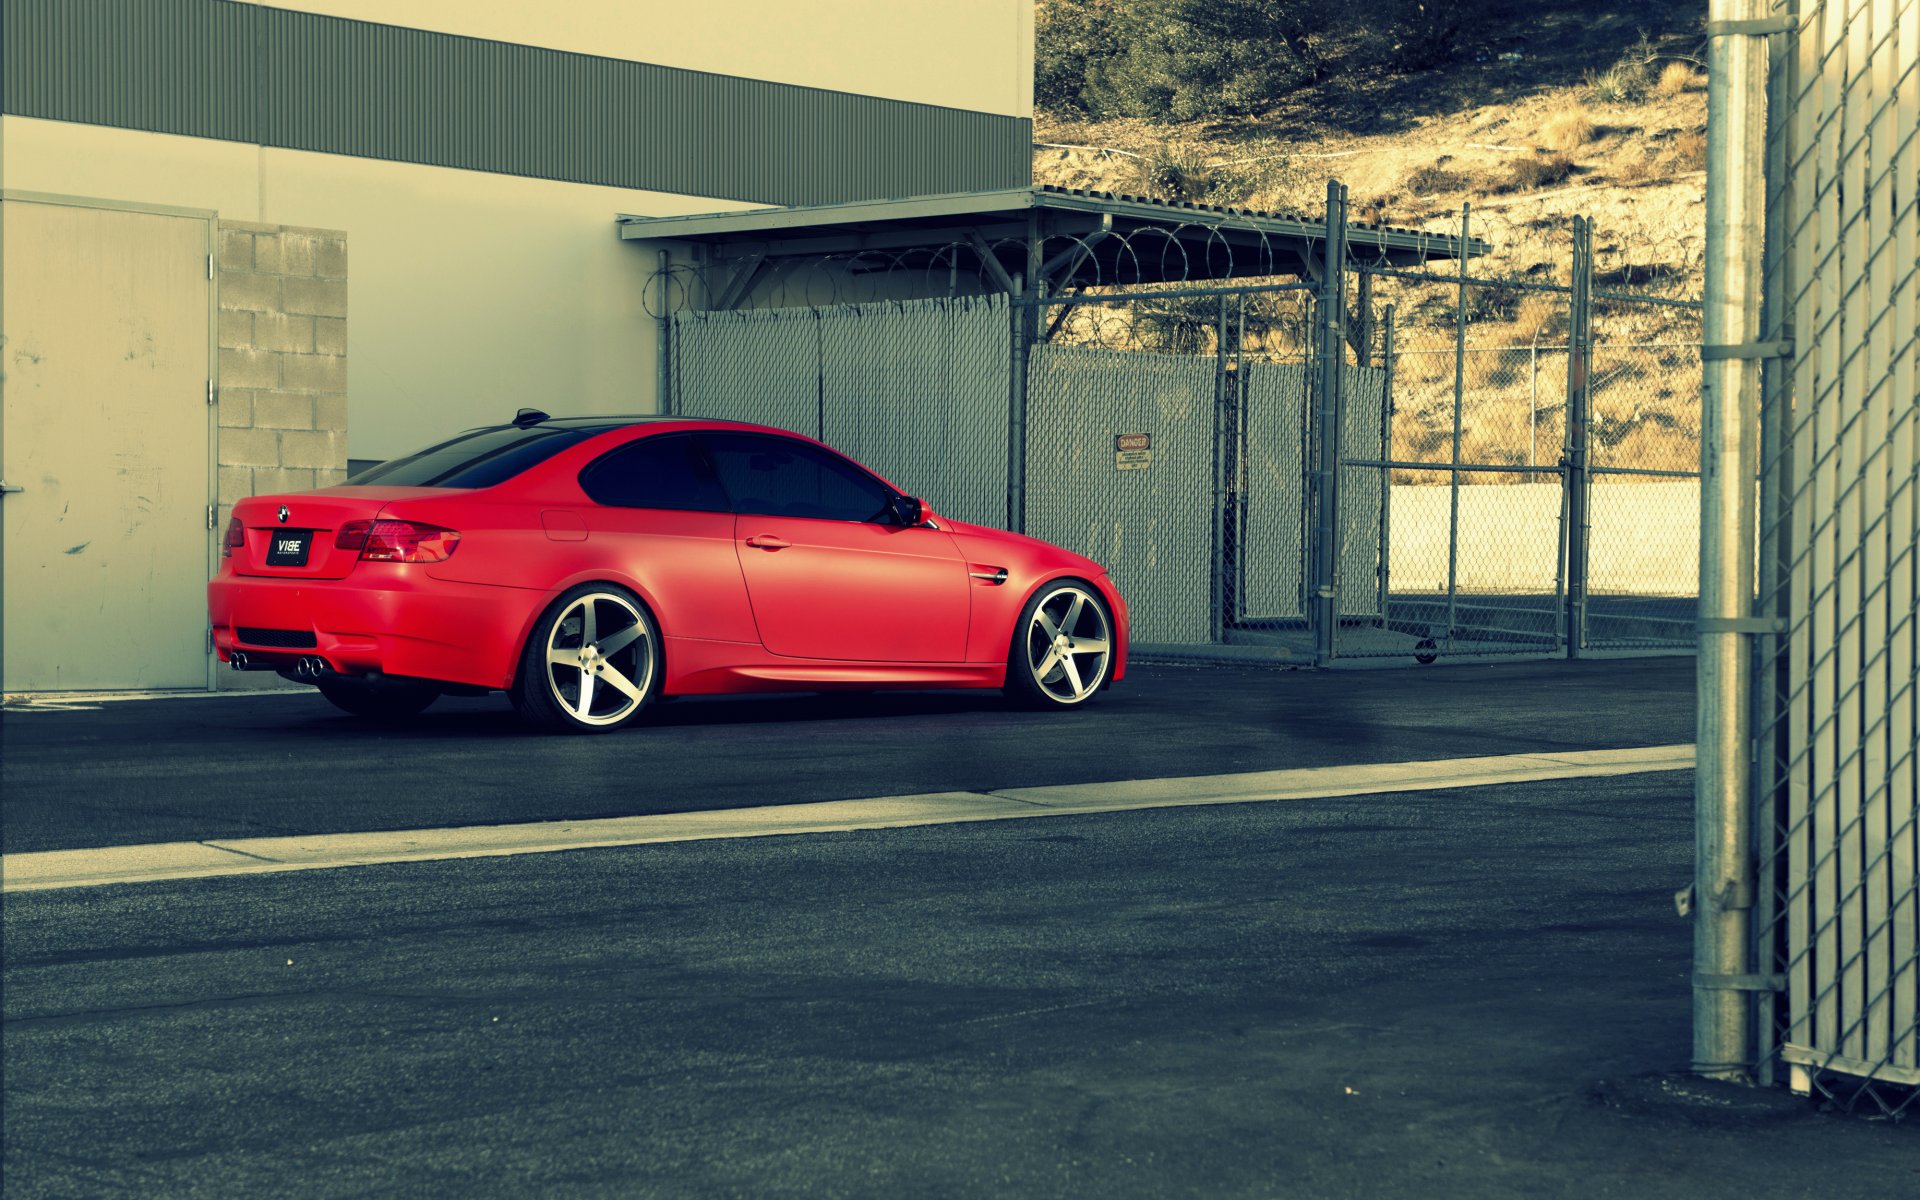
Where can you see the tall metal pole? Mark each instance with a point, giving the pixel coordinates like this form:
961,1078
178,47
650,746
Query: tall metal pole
1022,324
1386,455
1729,461
1459,403
664,381
1577,479
1533,401
1216,623
1027,314
1333,312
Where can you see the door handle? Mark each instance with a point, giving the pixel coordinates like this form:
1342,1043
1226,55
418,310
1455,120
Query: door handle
766,541
7,489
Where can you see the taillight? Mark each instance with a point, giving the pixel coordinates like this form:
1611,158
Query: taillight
397,541
236,537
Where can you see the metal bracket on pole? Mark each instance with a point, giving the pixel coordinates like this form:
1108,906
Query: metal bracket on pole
991,262
1762,27
1741,625
1746,350
1741,983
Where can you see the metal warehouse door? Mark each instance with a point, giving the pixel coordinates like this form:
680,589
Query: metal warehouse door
105,432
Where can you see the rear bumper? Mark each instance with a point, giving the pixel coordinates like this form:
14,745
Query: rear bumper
388,619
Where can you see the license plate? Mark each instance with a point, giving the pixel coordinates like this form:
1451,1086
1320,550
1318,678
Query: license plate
288,547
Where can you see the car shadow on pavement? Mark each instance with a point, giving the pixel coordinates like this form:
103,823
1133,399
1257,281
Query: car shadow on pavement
492,717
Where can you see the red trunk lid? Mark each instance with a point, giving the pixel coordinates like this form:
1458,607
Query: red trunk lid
316,514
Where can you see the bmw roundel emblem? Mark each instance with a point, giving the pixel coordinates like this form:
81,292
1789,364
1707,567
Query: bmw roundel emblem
284,514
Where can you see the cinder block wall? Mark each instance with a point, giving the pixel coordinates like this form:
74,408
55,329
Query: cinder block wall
283,359
283,369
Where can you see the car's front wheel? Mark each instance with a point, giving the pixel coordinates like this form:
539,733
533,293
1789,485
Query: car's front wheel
592,663
1062,647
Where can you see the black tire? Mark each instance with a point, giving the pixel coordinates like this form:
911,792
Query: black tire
548,693
1045,671
379,701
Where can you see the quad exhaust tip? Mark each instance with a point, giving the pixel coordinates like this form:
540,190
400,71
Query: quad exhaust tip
311,666
237,660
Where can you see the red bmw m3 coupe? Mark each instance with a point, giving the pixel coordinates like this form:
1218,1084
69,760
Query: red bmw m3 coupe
588,566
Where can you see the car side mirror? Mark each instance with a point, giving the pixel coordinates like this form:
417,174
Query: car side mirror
906,510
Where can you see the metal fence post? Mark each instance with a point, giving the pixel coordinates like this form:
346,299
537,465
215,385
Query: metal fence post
1576,479
1775,552
1459,404
1332,335
1729,460
1386,456
663,381
1017,309
1217,588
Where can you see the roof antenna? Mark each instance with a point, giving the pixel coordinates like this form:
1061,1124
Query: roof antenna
527,417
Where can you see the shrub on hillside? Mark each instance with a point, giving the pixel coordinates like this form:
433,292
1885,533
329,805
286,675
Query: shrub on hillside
1535,172
1626,81
1261,177
1411,35
1690,152
1184,59
1434,179
1071,38
1177,171
1569,128
1675,77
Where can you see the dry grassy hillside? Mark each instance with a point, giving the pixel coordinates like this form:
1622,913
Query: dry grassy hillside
1597,110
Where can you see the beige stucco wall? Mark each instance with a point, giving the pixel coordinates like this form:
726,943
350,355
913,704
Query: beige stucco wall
974,54
474,294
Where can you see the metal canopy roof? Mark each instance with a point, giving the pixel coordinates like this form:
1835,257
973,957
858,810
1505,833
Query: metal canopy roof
1073,236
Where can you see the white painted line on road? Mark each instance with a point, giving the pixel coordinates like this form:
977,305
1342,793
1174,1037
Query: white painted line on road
26,702
49,869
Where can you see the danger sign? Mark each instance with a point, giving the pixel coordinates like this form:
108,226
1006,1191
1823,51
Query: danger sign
1132,451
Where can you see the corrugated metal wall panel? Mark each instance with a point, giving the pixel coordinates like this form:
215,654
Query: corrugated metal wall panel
142,64
240,72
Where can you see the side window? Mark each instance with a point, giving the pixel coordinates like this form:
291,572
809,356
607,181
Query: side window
656,472
781,478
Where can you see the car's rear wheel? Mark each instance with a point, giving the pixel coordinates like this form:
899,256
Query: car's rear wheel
592,662
1062,647
378,700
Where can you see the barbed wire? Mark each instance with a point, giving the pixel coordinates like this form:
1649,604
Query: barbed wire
1225,247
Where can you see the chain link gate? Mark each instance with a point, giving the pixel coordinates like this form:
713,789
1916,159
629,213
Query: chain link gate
1835,788
1541,457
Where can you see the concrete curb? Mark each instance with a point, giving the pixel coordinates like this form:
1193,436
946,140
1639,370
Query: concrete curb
53,869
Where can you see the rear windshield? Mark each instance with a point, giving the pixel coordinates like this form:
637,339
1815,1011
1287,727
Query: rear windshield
480,458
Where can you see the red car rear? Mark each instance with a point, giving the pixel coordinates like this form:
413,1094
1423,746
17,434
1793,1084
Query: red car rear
589,565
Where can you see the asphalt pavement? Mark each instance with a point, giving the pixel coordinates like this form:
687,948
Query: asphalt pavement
1474,992
249,765
1478,994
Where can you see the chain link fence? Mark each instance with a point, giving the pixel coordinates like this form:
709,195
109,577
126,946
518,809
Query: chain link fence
1836,794
1502,465
1153,526
915,389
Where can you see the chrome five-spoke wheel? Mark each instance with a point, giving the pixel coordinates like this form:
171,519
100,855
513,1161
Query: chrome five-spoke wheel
1063,647
591,663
